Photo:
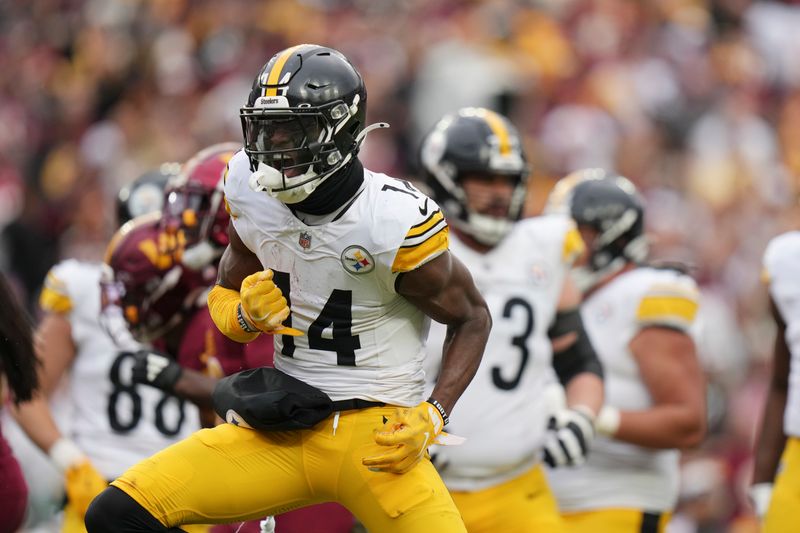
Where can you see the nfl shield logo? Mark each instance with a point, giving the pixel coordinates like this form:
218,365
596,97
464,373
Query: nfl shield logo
305,240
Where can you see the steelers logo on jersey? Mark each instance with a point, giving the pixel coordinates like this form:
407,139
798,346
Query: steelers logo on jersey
357,260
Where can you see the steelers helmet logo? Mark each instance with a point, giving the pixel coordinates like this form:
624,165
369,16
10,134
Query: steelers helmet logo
356,259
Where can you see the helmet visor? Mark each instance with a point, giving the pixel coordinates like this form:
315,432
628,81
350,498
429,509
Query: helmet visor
287,142
186,210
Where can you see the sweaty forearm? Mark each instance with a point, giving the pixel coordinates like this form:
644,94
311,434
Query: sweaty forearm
463,350
195,387
772,439
662,426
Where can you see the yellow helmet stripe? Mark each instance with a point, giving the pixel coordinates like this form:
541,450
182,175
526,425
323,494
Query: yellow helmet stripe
498,127
277,68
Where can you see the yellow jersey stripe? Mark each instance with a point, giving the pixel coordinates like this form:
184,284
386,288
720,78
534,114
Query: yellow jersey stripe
573,246
54,283
673,289
54,302
228,208
766,278
277,68
667,308
498,127
409,258
425,225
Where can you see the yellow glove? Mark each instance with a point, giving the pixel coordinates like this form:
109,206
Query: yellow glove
83,482
407,432
72,520
263,305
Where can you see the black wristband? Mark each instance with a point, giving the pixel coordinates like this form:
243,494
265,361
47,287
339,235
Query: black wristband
243,322
438,406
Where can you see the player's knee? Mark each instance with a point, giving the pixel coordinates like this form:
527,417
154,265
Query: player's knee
99,513
113,511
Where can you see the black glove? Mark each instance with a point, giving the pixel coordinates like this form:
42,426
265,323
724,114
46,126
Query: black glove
156,370
570,433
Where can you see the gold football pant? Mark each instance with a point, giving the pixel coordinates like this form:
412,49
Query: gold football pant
228,474
783,513
616,521
521,505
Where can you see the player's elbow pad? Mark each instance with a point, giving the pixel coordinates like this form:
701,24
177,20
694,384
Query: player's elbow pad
223,304
580,356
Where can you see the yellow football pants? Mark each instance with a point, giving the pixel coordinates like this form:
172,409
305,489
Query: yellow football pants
521,505
228,474
616,521
783,513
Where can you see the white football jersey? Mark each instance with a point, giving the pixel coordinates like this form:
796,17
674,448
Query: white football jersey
116,423
361,339
782,269
502,413
619,474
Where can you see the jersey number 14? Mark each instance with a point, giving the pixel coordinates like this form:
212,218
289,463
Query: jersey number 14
337,314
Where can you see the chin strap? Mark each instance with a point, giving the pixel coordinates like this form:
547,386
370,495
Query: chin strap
485,229
270,180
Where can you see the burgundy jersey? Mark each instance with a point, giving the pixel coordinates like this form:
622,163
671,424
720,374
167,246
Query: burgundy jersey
13,490
206,349
260,351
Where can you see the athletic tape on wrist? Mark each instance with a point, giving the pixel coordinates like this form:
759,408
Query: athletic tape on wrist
64,453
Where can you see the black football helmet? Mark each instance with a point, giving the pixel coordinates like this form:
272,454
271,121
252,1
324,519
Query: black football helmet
145,194
611,206
474,141
558,199
303,121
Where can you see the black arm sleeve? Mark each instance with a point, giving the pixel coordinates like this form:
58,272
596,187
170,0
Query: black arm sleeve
580,356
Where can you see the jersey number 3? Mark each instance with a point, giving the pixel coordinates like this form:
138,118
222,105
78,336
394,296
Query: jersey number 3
337,314
520,341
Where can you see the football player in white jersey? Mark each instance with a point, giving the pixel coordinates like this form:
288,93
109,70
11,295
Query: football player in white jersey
112,422
779,441
640,320
474,163
345,266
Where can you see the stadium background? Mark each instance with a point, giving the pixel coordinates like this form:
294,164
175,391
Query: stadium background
698,102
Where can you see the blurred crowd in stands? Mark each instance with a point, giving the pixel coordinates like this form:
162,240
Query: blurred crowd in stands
697,101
